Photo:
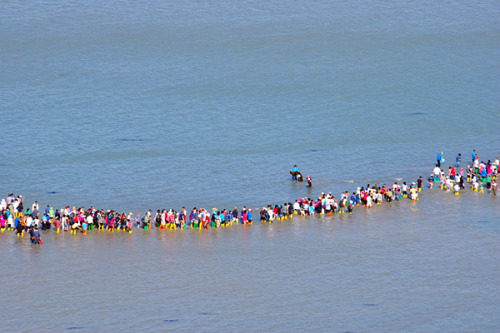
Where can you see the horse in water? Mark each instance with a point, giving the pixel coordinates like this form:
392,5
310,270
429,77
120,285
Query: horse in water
296,175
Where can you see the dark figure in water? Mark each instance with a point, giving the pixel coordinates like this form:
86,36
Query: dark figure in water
35,235
19,228
309,181
350,208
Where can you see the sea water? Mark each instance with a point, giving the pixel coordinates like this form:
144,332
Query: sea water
135,106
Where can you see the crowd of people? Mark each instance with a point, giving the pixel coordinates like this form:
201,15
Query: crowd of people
31,219
479,174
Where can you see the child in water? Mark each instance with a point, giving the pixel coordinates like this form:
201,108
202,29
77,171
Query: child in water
84,227
414,192
57,224
494,187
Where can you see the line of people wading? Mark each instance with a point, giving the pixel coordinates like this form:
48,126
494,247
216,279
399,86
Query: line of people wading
14,216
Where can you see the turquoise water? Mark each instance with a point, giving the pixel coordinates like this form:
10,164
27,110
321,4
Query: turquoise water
132,106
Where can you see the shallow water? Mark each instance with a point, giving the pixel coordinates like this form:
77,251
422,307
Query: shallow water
132,106
419,267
